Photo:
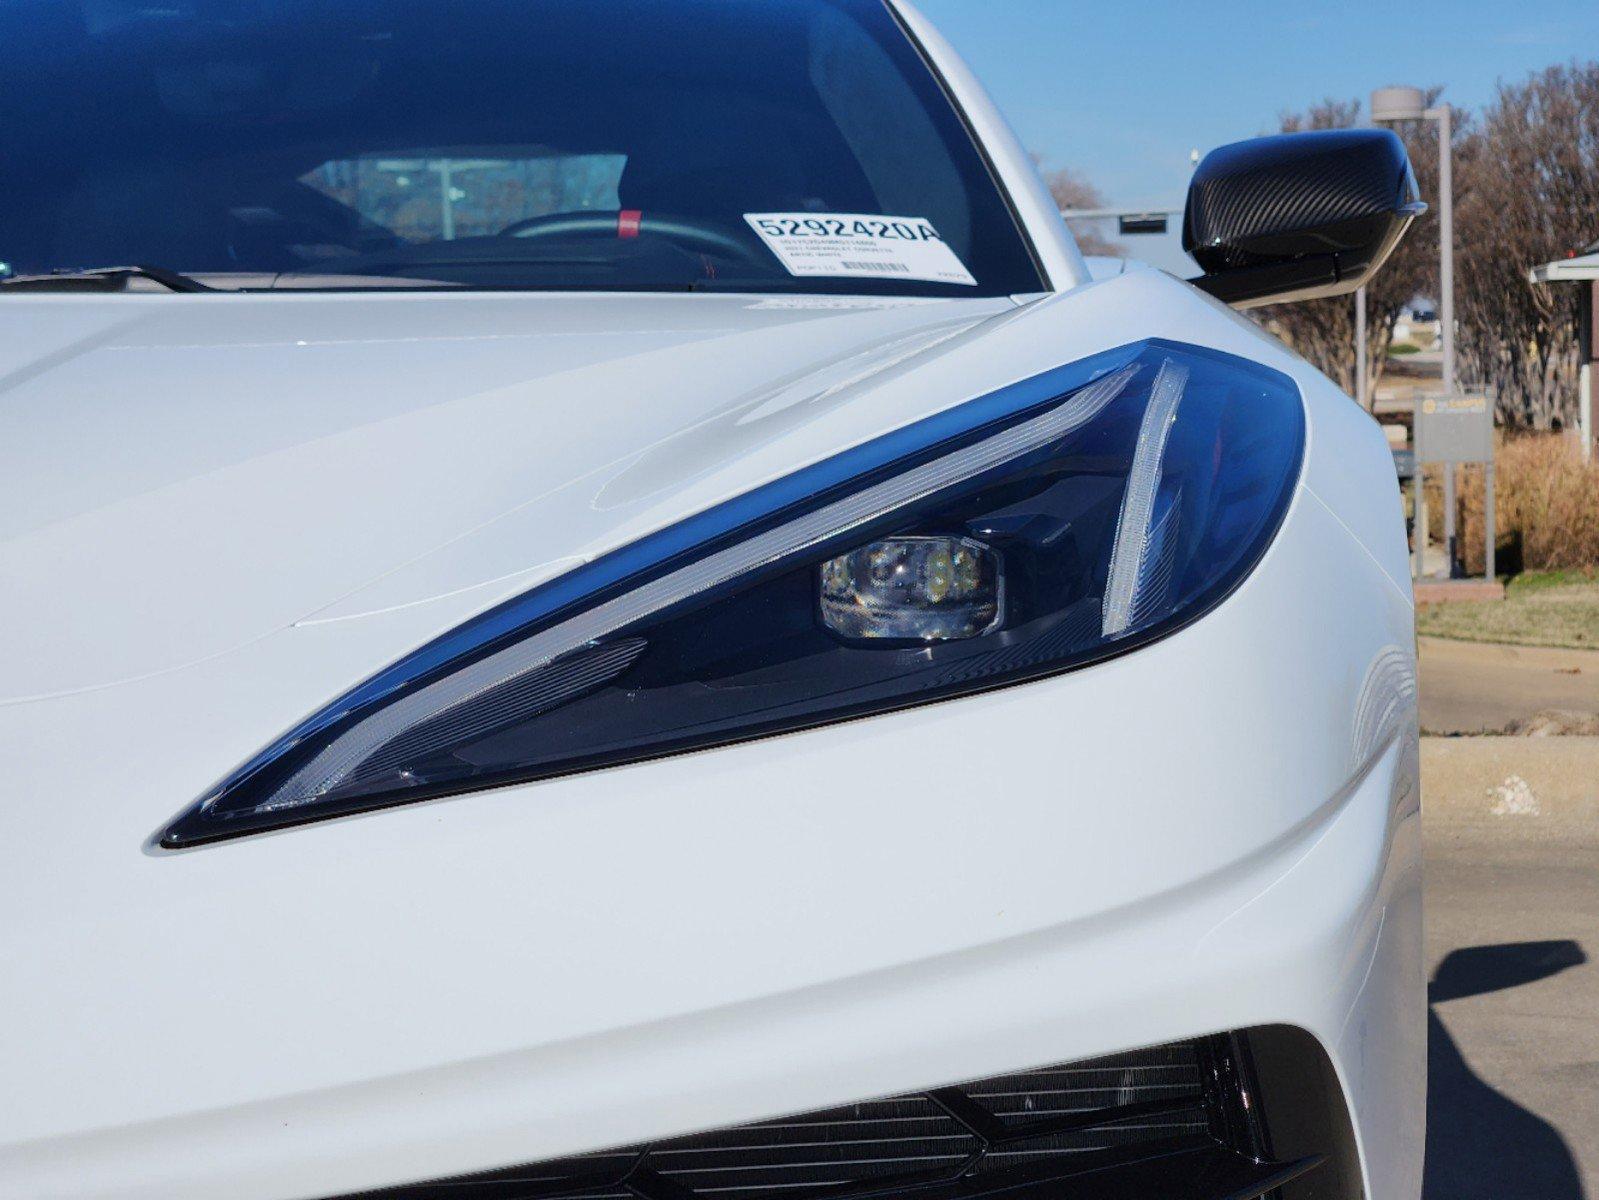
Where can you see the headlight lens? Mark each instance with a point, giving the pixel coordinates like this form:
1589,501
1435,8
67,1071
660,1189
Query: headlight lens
920,589
1050,525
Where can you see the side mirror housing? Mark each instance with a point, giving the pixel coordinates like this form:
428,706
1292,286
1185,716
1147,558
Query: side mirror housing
1298,216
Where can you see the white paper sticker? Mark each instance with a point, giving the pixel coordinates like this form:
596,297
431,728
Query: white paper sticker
860,246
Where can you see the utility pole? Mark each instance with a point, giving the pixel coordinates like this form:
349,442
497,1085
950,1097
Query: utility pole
1446,308
1409,104
1361,350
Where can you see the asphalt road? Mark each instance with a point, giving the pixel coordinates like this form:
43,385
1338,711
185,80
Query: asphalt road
1471,687
1512,845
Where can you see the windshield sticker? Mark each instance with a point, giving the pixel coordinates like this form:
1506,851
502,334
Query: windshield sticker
860,246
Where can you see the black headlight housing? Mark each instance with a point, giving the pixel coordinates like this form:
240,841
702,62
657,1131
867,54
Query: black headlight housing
1050,525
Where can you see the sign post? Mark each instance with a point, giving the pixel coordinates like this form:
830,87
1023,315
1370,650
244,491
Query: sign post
1455,428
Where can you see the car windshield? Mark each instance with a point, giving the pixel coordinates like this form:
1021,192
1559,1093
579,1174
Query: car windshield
739,145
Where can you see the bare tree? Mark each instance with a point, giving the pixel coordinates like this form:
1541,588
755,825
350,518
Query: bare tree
1072,191
1529,194
1323,331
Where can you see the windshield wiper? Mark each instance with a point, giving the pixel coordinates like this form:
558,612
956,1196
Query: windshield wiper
103,279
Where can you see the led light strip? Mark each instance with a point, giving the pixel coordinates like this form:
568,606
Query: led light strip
1132,528
366,738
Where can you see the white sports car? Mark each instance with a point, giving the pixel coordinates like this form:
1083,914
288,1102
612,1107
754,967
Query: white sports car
579,578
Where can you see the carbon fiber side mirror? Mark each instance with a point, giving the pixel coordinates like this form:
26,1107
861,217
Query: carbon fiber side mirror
1298,216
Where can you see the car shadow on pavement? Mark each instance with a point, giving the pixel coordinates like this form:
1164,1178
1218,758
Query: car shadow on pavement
1481,1145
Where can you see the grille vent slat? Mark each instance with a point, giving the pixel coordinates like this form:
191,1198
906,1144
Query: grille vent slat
1020,1130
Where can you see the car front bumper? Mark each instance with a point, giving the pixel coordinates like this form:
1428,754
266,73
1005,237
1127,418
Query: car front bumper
1210,834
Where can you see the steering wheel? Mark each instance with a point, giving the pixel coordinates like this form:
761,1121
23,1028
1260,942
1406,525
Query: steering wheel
696,234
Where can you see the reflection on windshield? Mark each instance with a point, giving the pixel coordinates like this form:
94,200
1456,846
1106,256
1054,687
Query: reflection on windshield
431,196
785,145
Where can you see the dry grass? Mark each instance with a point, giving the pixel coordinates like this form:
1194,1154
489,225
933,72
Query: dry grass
1547,506
1555,609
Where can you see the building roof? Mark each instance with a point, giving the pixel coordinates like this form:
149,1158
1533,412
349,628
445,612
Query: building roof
1567,270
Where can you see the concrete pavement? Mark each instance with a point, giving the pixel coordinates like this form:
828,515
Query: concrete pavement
1474,687
1512,844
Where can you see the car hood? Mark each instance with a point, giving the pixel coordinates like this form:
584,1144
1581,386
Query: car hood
187,474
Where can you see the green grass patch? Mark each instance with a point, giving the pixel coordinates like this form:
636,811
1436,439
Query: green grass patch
1551,608
1539,581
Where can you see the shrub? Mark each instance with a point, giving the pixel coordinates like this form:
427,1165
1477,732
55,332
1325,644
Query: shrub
1547,504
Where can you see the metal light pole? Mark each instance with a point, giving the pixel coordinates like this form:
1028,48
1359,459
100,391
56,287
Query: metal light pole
446,199
1410,104
1360,350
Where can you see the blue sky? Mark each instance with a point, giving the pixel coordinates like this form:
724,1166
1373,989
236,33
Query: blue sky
1122,91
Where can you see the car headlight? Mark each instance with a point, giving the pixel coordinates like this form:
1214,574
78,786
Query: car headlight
1057,522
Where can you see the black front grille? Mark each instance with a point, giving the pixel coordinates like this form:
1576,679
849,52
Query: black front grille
1172,1119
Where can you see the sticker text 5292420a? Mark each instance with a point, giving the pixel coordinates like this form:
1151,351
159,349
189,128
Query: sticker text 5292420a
860,246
